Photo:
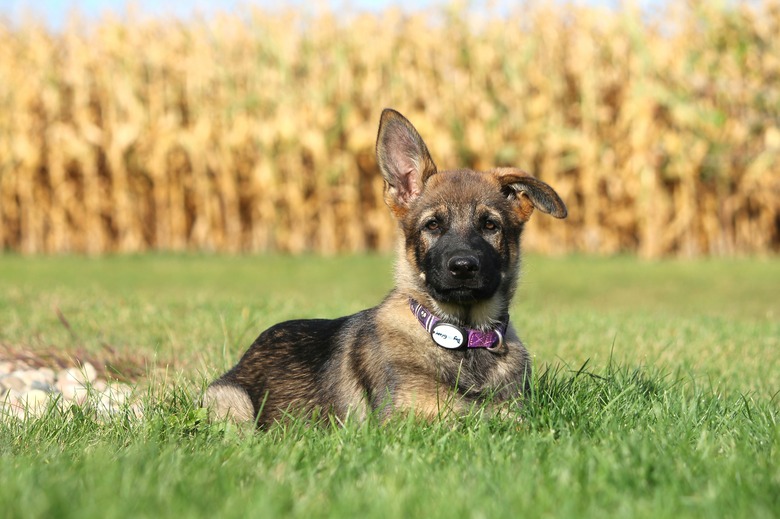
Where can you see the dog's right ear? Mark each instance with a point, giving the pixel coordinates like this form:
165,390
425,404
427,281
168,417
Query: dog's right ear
528,193
403,160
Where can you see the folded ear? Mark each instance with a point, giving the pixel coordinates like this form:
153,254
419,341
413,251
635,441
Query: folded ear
528,193
403,160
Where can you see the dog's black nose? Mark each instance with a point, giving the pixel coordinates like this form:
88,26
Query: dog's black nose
463,267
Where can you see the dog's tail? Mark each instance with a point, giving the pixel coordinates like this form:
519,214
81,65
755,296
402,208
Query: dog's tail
228,401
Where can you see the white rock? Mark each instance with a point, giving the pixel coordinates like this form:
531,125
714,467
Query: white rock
72,391
63,376
112,399
62,404
34,401
28,376
10,411
84,374
6,367
46,375
13,382
81,395
35,396
90,370
43,386
23,404
64,385
106,404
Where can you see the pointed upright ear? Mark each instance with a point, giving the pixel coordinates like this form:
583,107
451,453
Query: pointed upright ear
403,160
528,193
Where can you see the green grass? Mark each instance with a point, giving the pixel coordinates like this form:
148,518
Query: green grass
655,395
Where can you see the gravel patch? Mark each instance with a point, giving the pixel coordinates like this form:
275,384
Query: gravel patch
28,390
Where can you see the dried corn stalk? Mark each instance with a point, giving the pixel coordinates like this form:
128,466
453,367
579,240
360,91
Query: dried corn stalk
255,131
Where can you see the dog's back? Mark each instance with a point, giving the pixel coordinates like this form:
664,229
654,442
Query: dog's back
285,369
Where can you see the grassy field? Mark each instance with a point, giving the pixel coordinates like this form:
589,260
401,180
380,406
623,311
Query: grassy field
655,395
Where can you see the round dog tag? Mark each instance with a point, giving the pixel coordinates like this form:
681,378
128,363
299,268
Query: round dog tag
447,336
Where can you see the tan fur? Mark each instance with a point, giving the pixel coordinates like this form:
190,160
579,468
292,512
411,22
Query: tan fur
228,403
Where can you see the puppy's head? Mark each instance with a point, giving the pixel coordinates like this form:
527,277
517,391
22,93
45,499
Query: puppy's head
461,228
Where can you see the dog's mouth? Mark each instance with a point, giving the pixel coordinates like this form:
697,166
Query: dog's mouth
462,294
463,291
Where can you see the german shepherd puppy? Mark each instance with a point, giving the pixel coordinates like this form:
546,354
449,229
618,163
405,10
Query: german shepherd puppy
441,340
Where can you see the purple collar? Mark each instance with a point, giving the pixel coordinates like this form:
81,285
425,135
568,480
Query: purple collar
453,337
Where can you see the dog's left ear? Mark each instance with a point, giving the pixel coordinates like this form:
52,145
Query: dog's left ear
529,193
403,159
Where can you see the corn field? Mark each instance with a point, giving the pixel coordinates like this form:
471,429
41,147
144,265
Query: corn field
254,131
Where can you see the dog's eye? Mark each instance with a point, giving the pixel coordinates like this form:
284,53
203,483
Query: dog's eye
432,224
490,225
